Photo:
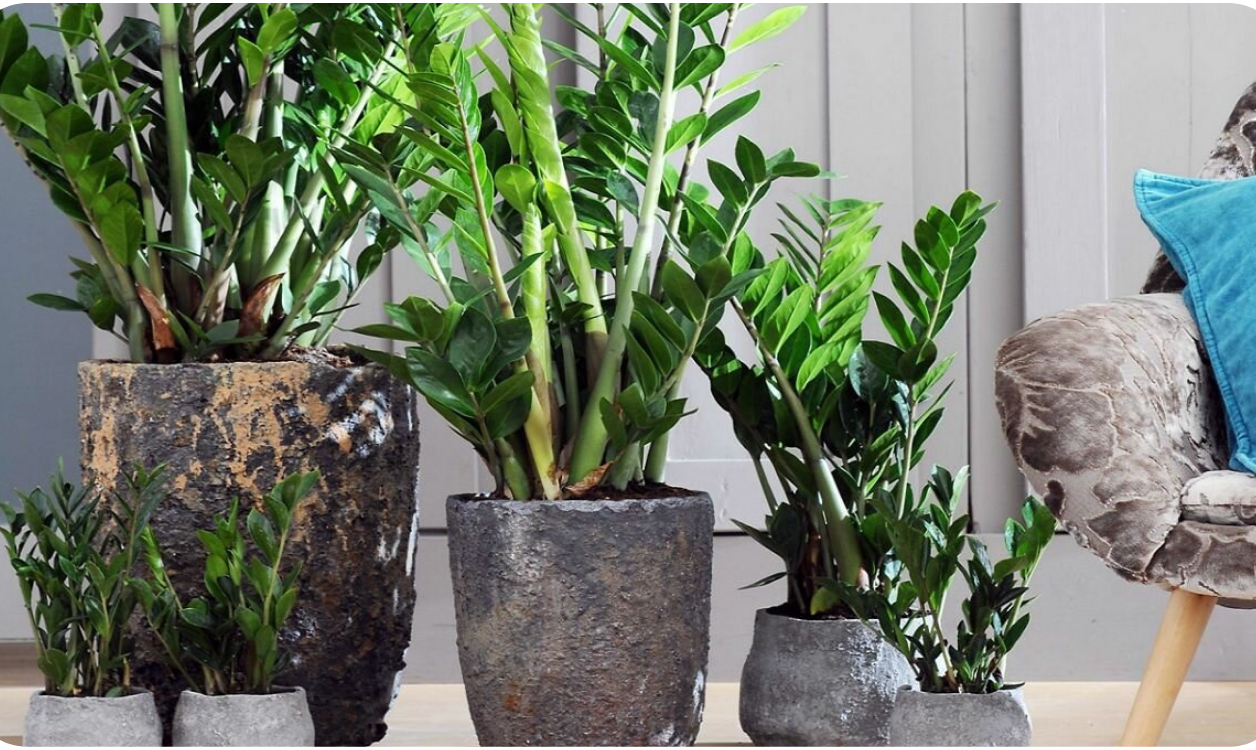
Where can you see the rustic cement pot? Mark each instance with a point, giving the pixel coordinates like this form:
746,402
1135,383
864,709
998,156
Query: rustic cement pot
228,430
278,719
583,622
960,719
128,721
819,682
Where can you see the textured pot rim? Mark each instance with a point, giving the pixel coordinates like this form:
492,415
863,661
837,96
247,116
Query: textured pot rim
816,622
278,691
1016,692
139,693
523,507
120,364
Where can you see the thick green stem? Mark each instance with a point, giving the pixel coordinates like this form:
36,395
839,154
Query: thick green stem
539,427
185,226
591,441
838,524
531,73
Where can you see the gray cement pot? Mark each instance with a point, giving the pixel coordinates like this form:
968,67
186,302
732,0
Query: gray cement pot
280,719
229,430
960,720
819,682
129,721
583,622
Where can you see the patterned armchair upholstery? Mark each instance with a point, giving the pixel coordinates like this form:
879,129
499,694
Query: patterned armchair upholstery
1112,412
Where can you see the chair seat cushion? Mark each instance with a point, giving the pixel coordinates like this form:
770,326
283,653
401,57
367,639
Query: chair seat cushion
1205,229
1225,498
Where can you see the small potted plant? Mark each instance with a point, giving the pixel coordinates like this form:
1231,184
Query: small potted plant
73,555
192,154
963,699
229,645
839,421
556,346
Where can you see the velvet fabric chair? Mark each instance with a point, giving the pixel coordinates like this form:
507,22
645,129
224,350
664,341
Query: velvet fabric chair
1113,415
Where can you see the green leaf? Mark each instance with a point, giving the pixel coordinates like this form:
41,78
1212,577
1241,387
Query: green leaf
517,185
335,81
471,346
700,63
768,27
750,161
24,111
728,183
277,31
121,231
683,292
438,381
744,79
55,302
730,113
254,59
685,130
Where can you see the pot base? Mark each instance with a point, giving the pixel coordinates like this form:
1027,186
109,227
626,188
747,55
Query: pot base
960,720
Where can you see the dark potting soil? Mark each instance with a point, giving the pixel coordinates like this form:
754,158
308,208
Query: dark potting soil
788,610
640,491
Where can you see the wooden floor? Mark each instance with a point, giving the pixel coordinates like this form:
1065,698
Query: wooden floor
1071,714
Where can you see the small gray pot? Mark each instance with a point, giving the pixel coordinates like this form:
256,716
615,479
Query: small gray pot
129,721
960,719
819,682
583,622
279,719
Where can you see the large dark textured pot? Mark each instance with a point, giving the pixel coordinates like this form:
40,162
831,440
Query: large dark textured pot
819,683
583,622
228,430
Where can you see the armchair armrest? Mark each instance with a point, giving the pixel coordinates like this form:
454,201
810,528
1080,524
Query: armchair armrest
1110,409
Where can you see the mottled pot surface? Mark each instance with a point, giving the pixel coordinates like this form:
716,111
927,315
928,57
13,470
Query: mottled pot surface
819,682
583,622
228,430
127,721
960,719
279,719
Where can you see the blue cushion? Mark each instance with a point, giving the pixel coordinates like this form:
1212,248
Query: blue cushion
1206,229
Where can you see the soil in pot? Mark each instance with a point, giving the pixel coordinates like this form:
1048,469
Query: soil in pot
824,682
583,622
960,719
126,721
278,719
228,430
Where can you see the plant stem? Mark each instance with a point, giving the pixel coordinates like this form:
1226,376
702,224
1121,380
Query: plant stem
591,440
531,74
839,527
185,224
691,156
539,425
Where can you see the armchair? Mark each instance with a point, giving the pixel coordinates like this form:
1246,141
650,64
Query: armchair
1112,413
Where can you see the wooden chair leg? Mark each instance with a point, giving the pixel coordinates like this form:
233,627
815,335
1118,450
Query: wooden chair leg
1180,630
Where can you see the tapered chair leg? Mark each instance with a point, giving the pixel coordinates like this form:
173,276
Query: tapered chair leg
1171,656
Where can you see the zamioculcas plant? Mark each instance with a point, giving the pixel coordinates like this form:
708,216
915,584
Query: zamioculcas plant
841,420
227,642
74,552
929,543
558,342
193,156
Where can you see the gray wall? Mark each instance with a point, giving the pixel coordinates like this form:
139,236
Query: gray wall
38,402
1047,108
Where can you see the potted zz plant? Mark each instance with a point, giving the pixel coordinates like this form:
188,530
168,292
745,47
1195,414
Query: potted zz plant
194,157
841,422
963,700
556,349
73,555
228,645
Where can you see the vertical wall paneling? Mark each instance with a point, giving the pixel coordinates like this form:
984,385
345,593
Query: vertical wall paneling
996,297
1065,156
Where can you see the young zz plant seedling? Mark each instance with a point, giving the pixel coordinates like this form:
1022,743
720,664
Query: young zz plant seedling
228,640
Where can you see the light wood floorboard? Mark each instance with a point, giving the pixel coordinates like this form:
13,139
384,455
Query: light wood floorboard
1068,714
